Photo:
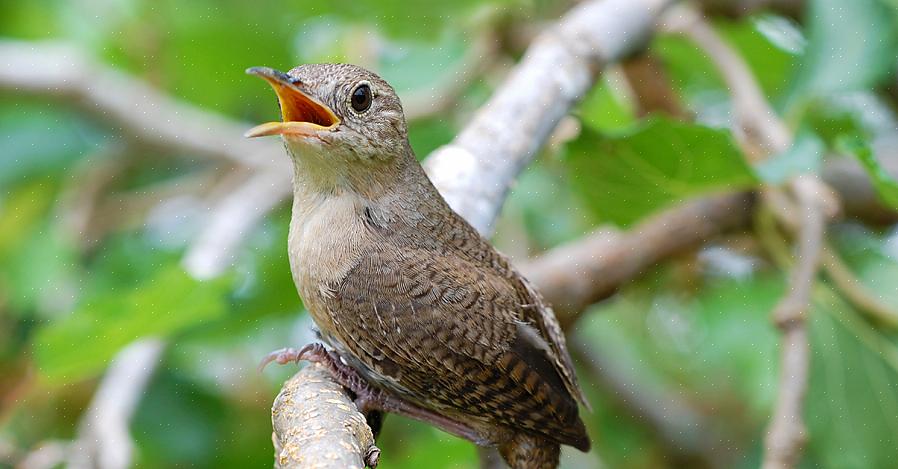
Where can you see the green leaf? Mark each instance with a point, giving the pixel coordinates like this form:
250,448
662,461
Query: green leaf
886,186
82,343
605,110
852,402
624,178
852,45
699,80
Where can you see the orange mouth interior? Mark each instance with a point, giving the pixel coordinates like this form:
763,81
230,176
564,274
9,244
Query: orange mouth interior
302,114
297,106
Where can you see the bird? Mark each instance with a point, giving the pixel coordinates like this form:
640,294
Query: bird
421,316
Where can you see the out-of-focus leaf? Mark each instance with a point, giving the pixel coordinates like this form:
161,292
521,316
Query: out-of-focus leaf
426,135
264,282
782,33
831,124
29,20
605,110
767,59
689,346
698,79
404,20
804,156
21,211
37,262
852,402
411,65
414,444
181,424
40,139
624,178
82,343
886,186
542,199
872,257
852,44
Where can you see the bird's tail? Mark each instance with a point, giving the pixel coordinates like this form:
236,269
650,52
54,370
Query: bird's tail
526,451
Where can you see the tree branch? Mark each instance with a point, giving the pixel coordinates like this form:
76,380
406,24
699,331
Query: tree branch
103,437
132,106
812,202
317,425
233,216
786,433
475,171
576,275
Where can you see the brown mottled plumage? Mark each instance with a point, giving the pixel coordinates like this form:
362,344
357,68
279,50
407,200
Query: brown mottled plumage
404,289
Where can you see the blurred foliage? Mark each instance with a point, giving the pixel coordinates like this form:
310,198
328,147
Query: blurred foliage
696,328
653,166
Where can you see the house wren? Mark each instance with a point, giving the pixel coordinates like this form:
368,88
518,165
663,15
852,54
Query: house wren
424,317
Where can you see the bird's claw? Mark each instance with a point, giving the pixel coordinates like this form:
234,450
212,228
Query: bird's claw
311,352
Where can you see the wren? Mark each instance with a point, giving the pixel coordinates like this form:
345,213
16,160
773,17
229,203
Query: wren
424,317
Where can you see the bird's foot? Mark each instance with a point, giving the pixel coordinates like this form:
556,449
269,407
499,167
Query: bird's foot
369,399
344,374
315,353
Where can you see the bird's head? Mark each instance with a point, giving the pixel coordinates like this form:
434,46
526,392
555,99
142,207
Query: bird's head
336,112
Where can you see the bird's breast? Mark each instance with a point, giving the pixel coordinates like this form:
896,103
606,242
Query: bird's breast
327,238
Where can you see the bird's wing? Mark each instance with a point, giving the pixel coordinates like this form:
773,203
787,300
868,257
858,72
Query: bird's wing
539,314
450,333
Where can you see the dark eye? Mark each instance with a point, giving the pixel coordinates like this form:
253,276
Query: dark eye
361,98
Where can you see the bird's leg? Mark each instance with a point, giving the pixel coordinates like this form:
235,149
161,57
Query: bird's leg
369,398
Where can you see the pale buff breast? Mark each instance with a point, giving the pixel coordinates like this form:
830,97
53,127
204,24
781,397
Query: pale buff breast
327,233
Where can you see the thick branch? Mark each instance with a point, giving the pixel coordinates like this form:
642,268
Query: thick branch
475,171
316,425
576,275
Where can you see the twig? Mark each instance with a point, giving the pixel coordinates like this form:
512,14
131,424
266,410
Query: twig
760,130
103,437
79,202
786,434
47,455
654,91
317,425
851,288
764,133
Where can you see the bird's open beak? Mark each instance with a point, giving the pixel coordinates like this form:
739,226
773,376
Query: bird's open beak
302,114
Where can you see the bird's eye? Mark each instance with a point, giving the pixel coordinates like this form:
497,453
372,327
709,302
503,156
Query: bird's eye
361,98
